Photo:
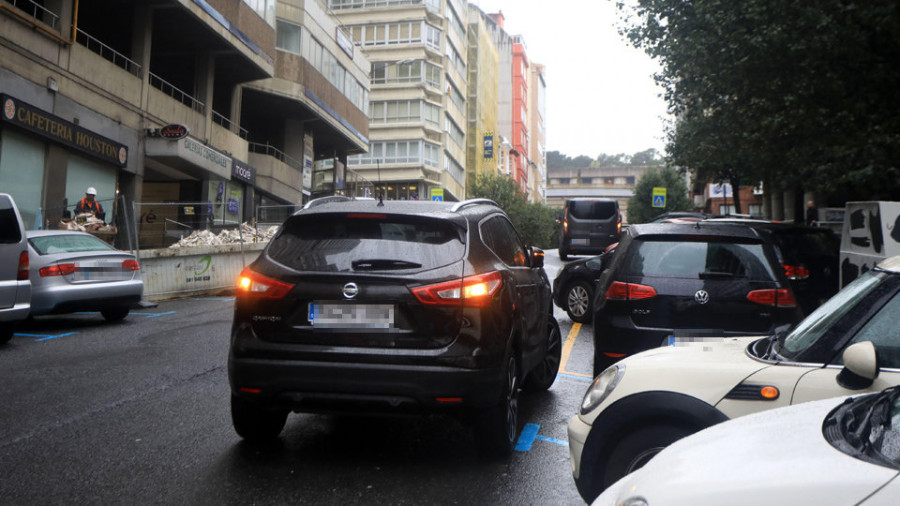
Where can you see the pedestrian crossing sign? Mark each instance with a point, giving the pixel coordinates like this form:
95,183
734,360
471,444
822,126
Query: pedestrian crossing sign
659,197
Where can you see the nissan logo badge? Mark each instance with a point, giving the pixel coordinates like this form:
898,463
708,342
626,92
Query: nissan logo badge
702,296
351,290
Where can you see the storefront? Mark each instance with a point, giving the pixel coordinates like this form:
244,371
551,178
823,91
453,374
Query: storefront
38,150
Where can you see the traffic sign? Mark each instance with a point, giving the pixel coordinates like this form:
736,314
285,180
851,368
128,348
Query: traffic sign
437,194
659,197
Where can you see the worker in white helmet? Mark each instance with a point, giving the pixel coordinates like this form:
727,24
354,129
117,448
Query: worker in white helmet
89,204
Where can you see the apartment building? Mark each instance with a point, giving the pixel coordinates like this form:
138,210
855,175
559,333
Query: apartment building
417,109
226,102
537,156
484,144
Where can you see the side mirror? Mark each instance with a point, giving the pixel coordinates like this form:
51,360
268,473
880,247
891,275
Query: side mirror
537,257
860,366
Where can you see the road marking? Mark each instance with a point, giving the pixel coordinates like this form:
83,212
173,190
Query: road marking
529,434
153,315
213,298
567,350
45,337
578,376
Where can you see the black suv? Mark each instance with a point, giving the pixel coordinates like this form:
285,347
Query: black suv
673,279
589,226
397,307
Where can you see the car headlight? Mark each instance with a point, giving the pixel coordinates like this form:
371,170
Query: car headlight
602,386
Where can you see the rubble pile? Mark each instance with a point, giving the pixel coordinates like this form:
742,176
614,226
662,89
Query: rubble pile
87,222
228,236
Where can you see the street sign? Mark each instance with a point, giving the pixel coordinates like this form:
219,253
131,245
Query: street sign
437,194
659,197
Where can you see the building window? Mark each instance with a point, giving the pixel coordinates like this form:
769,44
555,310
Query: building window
288,37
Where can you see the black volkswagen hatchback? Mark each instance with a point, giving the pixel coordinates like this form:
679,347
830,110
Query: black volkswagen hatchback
702,278
393,307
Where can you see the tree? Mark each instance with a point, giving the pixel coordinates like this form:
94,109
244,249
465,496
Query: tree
536,222
797,94
640,206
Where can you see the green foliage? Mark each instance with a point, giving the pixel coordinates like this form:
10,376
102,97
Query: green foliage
640,206
798,94
535,222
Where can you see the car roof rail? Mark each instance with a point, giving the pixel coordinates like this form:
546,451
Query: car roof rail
324,200
472,202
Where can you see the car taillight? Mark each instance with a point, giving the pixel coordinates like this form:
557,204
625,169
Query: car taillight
619,227
796,272
254,284
22,273
58,270
780,297
566,222
629,291
130,265
473,291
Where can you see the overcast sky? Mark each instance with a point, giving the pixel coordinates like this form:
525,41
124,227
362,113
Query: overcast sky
601,97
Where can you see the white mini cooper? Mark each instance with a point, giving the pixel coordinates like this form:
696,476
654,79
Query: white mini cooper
633,409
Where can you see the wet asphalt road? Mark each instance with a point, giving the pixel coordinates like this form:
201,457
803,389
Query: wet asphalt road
137,413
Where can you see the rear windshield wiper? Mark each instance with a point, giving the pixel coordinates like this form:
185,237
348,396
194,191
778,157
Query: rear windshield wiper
380,264
718,275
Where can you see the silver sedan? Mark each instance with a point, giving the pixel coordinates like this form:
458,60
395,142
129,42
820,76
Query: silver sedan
75,271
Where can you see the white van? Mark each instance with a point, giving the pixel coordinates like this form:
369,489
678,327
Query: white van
15,284
871,233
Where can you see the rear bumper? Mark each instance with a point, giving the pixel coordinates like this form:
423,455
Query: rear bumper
326,386
60,298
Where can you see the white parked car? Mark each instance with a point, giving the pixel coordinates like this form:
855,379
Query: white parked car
850,345
836,451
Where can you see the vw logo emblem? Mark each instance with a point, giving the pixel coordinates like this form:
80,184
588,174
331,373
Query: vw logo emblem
351,290
702,296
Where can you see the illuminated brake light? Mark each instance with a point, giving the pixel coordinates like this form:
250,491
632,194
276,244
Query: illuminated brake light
58,270
254,284
22,273
629,291
473,291
796,272
130,265
781,297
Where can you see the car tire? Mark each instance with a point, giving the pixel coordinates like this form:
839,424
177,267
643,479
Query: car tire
6,333
115,314
578,298
496,427
637,448
543,375
563,256
256,423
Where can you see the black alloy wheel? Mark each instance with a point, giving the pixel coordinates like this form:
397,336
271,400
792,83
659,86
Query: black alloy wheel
544,374
579,295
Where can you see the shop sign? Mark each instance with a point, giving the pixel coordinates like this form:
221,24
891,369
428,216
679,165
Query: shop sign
243,172
488,146
53,127
174,131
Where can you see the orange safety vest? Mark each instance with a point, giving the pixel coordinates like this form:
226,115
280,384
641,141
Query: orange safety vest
86,206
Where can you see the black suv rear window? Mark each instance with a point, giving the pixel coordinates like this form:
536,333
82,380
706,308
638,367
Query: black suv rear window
592,209
680,259
366,242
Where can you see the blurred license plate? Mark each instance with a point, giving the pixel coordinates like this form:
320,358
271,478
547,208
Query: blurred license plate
324,314
581,242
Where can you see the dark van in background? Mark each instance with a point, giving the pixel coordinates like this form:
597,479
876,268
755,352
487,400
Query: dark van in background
589,226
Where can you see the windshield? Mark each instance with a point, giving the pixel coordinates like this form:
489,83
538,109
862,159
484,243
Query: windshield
50,244
808,331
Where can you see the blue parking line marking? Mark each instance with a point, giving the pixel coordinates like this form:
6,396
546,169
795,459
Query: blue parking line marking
526,438
213,298
530,434
552,440
153,315
45,337
575,376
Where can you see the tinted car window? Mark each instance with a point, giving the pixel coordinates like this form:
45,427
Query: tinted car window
9,224
67,243
691,259
797,246
344,243
592,210
502,238
884,333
